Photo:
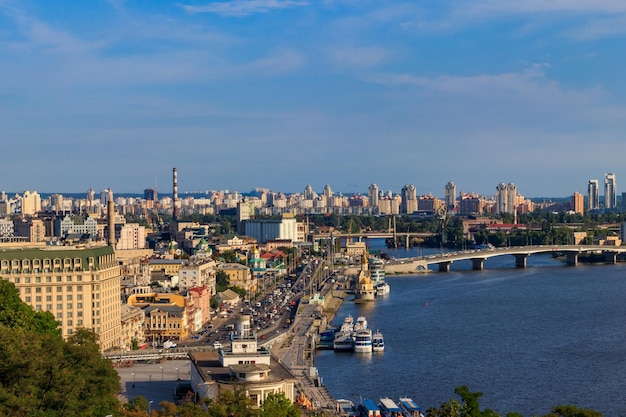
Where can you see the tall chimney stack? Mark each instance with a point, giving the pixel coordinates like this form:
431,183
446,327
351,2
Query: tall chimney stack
175,208
111,222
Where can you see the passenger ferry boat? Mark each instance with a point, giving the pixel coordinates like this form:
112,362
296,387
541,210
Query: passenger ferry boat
362,340
410,408
389,408
378,342
360,324
343,342
382,288
367,408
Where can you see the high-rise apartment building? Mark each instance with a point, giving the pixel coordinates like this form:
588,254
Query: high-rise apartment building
593,195
578,203
506,198
409,199
450,195
610,191
373,195
79,286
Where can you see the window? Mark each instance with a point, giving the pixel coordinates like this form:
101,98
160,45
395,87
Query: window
38,299
69,322
48,289
70,306
27,290
79,288
48,279
17,280
79,305
59,306
48,298
27,299
38,279
59,315
59,297
59,279
69,297
38,307
79,296
27,280
59,289
70,288
48,307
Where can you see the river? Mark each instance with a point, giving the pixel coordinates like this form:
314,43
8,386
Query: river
528,339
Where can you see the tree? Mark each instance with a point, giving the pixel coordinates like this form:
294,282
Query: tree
572,411
43,375
277,405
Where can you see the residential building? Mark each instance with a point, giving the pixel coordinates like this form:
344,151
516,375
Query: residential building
79,286
593,195
132,327
578,203
450,195
409,199
610,191
130,236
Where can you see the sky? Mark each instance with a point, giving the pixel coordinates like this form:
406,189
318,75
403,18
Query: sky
279,94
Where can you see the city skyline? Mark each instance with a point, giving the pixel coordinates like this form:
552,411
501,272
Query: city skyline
279,94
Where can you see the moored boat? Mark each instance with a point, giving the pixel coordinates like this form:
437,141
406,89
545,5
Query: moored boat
382,288
362,341
378,342
343,342
389,408
360,324
367,408
410,408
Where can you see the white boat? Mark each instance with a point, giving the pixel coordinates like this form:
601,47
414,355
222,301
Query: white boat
346,408
378,342
382,288
343,342
360,324
389,408
410,408
348,325
362,340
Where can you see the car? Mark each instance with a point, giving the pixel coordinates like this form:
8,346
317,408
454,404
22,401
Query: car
262,336
217,345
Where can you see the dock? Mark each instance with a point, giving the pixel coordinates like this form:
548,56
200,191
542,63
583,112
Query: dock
295,349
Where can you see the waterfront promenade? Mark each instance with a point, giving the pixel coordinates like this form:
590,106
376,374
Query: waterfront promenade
295,350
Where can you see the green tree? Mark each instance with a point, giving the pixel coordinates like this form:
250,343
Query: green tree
572,411
277,405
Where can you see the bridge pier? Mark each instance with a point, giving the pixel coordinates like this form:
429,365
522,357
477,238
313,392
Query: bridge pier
444,266
520,260
478,264
572,259
610,257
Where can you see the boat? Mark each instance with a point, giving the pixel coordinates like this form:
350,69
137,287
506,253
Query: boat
346,408
410,408
377,270
367,408
360,324
378,342
382,288
347,325
389,408
343,342
362,340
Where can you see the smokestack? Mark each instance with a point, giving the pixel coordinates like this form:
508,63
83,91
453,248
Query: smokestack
111,223
175,209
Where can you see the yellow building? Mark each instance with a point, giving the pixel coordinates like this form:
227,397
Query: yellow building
166,315
239,275
80,286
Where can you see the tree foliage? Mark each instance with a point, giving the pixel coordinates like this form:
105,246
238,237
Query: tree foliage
43,375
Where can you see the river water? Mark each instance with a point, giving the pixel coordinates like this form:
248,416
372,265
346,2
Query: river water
528,339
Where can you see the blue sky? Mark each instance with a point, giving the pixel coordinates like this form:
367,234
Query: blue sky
283,93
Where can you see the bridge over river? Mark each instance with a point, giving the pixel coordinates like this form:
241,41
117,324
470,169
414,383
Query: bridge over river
521,254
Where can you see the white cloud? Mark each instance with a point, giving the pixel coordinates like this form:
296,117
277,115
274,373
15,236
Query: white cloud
358,57
240,8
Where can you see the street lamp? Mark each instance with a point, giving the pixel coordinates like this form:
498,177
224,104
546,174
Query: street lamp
177,374
150,407
133,374
150,376
161,368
